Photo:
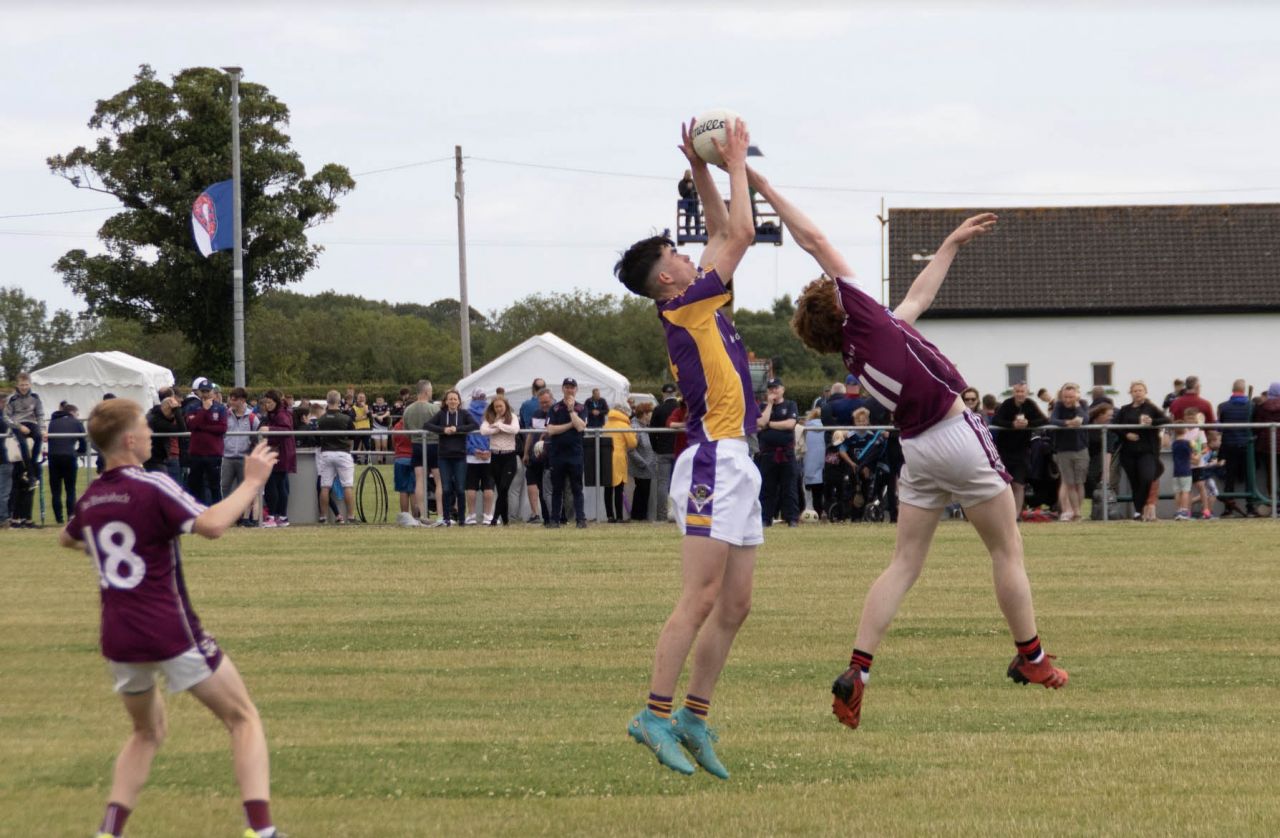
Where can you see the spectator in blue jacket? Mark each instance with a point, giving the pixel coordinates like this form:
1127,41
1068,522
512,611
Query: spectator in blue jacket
64,454
1234,450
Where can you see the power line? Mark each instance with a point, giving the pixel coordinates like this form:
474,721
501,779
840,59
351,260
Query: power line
57,212
402,166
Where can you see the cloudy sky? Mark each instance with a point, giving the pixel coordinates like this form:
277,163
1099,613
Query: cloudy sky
957,104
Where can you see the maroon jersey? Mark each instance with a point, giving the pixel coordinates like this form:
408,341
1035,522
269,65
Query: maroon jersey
129,521
895,365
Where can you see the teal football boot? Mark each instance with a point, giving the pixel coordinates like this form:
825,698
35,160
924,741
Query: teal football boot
658,735
692,732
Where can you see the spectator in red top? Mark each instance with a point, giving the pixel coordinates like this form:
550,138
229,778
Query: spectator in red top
676,420
277,416
1191,398
207,421
1268,410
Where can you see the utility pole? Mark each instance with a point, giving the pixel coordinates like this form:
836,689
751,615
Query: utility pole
464,308
884,278
237,253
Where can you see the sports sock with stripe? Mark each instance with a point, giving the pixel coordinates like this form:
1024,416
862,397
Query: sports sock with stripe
1030,649
660,705
862,660
697,706
113,820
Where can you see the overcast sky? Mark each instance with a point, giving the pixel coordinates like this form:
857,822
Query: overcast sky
962,104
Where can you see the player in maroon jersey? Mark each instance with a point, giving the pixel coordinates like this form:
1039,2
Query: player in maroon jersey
129,522
948,453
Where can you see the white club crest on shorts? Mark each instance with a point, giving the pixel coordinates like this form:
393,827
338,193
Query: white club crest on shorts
208,647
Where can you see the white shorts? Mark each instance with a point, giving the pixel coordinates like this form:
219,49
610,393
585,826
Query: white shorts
955,461
715,491
180,673
339,464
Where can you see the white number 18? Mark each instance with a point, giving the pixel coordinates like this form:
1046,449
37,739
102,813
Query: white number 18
112,550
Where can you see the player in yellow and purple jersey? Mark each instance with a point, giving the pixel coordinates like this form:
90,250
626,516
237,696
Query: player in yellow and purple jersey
715,487
129,522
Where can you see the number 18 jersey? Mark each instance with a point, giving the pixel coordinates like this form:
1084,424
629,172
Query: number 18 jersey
130,521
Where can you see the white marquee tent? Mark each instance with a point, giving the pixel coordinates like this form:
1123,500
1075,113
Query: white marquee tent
549,357
84,379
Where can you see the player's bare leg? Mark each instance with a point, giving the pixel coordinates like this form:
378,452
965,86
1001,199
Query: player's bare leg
146,711
732,606
703,561
999,532
225,694
916,527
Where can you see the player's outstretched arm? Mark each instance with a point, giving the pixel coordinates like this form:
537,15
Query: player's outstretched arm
257,468
715,215
725,250
925,288
803,230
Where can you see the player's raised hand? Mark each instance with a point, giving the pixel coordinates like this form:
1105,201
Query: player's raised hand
734,151
686,144
973,227
258,465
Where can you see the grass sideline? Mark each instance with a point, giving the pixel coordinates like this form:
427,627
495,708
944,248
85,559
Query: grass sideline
479,681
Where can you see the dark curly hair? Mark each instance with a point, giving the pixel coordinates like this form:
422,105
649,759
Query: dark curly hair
819,320
635,268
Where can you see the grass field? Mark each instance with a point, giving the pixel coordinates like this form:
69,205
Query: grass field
479,682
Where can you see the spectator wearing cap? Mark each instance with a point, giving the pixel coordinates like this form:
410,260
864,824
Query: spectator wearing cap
63,457
479,459
207,422
664,446
777,458
234,448
564,437
597,409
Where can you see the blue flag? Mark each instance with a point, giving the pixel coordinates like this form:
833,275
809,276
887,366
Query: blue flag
211,219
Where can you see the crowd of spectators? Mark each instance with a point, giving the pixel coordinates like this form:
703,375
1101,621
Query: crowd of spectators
455,462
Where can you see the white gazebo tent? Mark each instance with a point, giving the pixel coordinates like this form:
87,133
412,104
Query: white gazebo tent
84,379
552,358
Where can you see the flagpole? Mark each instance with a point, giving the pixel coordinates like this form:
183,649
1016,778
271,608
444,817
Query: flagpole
237,256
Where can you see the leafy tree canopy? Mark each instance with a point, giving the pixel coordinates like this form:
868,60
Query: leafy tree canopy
161,145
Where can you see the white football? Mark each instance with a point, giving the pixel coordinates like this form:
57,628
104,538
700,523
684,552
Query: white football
808,516
714,123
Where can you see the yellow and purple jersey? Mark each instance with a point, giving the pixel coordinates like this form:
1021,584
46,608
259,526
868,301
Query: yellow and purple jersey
709,362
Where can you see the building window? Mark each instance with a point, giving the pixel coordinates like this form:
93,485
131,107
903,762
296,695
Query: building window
1018,373
1102,374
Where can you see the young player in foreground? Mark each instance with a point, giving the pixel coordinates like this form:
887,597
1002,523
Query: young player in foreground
128,521
714,485
948,452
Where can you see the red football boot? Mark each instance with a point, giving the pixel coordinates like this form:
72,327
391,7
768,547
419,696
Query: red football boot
848,690
1023,671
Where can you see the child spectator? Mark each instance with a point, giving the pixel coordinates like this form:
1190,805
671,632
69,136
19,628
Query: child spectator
1181,449
405,482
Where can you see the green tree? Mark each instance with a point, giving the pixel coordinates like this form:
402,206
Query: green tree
161,145
29,338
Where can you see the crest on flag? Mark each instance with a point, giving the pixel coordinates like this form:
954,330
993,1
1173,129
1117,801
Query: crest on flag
211,218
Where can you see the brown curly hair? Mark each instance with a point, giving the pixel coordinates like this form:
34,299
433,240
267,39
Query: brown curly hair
819,320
